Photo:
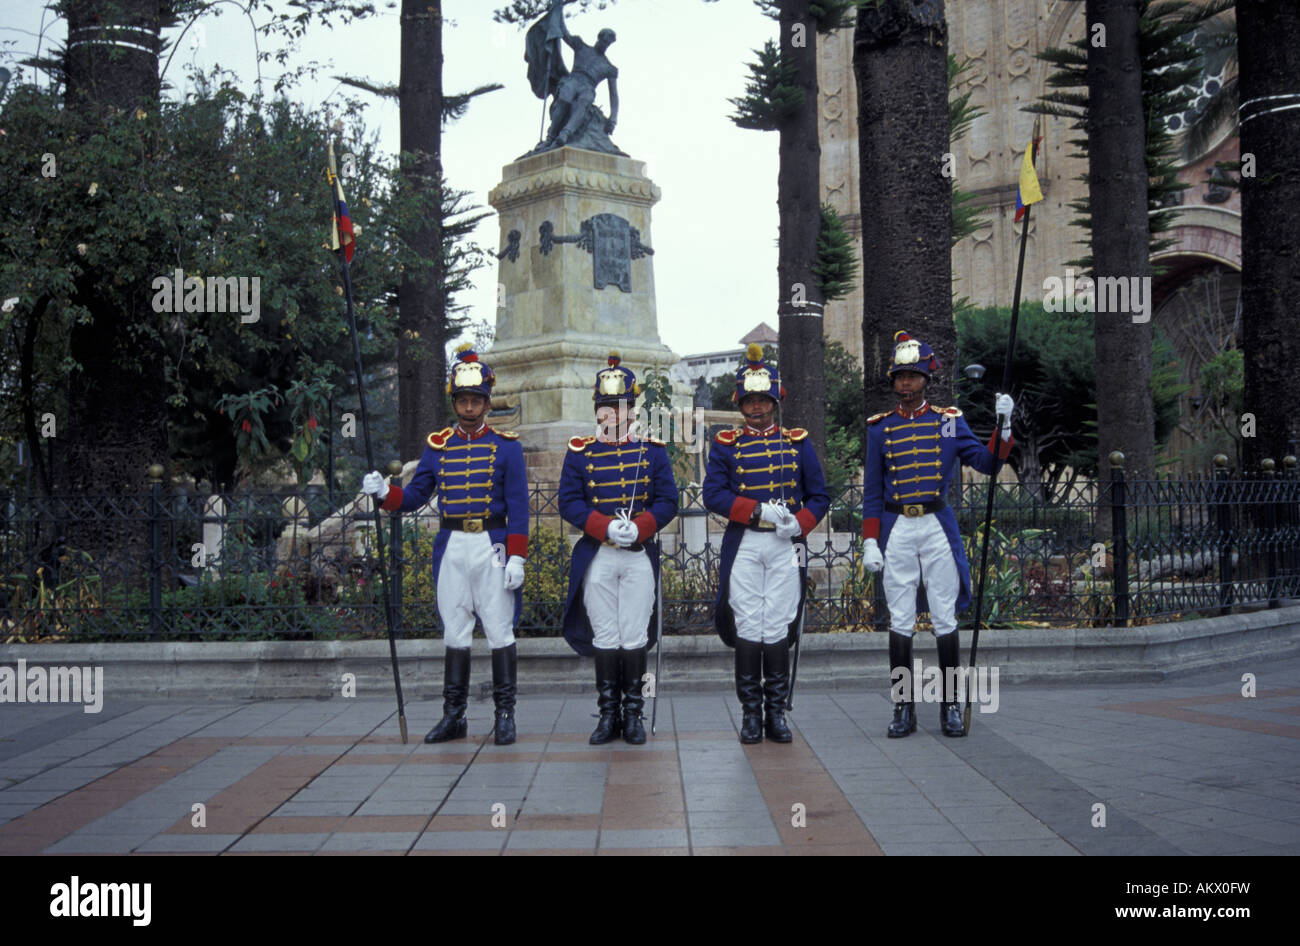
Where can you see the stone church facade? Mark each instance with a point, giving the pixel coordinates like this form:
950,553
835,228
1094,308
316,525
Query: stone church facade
1002,38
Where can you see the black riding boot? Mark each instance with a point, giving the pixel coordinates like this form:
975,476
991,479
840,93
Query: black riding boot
633,665
505,666
455,693
950,718
607,696
776,690
900,656
749,689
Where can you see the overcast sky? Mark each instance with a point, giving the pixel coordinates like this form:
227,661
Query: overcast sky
714,231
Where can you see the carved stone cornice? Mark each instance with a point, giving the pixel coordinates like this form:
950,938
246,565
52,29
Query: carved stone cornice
561,181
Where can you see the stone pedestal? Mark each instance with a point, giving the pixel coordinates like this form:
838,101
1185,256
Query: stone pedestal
554,327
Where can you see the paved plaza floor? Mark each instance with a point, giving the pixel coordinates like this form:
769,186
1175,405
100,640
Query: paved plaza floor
1184,767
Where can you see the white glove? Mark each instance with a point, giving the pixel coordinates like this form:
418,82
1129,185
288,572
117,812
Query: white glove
1003,409
514,573
774,513
373,483
622,533
789,528
872,557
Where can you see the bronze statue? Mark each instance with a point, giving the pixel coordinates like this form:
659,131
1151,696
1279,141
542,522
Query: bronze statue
575,119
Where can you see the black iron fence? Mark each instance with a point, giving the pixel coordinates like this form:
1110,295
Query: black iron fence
175,565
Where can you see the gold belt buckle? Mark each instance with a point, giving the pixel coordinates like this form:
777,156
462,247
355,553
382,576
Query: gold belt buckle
474,525
912,510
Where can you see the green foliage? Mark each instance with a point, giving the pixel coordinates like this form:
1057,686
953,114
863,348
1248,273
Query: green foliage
247,414
219,185
1054,385
772,94
836,266
845,430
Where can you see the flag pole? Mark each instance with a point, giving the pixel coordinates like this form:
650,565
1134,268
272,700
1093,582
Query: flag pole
997,439
365,430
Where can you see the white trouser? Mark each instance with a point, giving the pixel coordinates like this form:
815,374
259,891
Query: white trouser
618,591
918,550
472,580
764,594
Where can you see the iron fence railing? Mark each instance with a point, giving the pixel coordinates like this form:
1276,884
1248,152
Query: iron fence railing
175,565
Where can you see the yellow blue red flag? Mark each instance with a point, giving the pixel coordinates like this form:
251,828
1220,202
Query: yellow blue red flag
341,232
1028,192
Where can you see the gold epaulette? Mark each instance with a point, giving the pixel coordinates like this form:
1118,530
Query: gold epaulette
946,411
656,441
579,444
438,439
727,437
508,434
794,433
877,418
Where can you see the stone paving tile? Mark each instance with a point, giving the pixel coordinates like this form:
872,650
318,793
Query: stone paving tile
179,843
643,838
462,841
265,843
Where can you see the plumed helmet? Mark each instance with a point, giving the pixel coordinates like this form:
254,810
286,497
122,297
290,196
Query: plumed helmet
615,383
912,354
469,375
757,377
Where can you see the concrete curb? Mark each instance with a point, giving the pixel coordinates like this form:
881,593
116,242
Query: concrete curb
315,670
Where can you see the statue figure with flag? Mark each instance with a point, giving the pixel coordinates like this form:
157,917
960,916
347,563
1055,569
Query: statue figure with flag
575,119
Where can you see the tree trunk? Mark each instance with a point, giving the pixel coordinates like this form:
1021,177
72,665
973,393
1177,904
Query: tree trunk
117,423
1117,189
422,330
1268,44
800,301
901,67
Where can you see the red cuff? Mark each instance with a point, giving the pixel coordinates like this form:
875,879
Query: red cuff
1004,446
742,509
645,526
393,501
807,520
871,528
597,525
517,545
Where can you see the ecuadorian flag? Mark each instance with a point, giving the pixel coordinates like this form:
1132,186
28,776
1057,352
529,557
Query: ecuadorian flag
341,233
1028,192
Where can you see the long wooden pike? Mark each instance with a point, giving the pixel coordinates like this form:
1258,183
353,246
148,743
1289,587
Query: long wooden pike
336,198
997,438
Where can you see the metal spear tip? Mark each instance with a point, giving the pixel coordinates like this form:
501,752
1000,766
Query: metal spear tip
394,467
974,372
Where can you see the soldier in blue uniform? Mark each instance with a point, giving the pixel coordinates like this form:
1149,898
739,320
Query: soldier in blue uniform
767,482
479,551
619,490
909,529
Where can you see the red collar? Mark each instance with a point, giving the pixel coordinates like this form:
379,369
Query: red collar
923,409
771,429
461,433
